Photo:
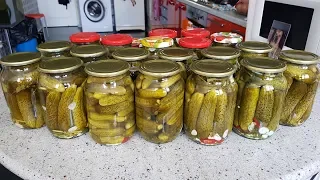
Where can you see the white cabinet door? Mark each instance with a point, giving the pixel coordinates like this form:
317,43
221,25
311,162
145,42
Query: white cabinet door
57,14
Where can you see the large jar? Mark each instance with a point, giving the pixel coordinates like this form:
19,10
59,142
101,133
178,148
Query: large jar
251,49
85,38
116,41
61,93
303,78
196,32
155,44
54,49
262,89
159,101
165,33
196,44
227,39
222,53
19,78
89,53
210,97
110,102
134,56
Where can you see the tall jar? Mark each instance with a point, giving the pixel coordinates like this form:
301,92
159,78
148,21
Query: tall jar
159,101
155,43
226,39
228,54
114,42
196,32
250,49
303,78
109,93
210,97
19,78
61,93
262,89
54,49
134,56
89,53
85,38
166,33
196,44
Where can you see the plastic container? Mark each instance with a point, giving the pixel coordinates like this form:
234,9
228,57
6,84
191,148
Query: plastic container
226,39
85,38
262,89
222,53
196,32
61,93
54,49
28,46
89,53
250,49
303,78
19,84
109,95
159,101
155,44
196,44
116,41
165,33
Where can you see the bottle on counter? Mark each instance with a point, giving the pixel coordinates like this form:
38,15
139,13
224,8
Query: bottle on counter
19,79
250,49
228,54
165,33
85,38
114,42
89,53
195,32
54,49
196,44
61,84
227,39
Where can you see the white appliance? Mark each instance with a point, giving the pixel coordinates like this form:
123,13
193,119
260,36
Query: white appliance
96,15
129,17
303,15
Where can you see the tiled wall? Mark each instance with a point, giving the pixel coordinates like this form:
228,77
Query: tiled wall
30,6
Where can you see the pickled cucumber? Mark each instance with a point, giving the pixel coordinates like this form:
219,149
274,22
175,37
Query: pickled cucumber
53,98
90,100
106,117
265,104
167,105
116,107
166,116
78,113
148,126
104,80
14,107
101,124
149,93
107,140
190,86
129,132
141,112
108,132
175,91
193,110
301,74
126,111
170,81
241,85
19,83
146,82
289,80
139,81
232,98
50,83
279,97
178,116
306,114
221,106
101,89
27,109
147,102
64,111
40,116
115,99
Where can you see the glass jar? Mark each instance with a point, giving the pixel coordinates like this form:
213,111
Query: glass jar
182,56
227,39
85,38
196,44
165,33
196,32
210,97
116,41
262,89
61,94
19,78
303,78
109,95
155,44
134,56
89,53
54,49
251,49
222,53
159,101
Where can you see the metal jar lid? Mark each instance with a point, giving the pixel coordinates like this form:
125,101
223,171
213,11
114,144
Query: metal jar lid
264,65
107,68
176,54
54,46
254,47
88,51
221,53
299,57
159,68
131,54
213,68
60,65
20,59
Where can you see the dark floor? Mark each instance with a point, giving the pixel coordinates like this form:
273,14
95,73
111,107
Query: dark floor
6,174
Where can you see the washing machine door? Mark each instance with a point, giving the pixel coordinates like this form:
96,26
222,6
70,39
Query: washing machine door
94,10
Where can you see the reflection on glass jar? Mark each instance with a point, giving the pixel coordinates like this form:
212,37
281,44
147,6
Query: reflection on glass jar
89,53
54,49
222,53
196,44
85,38
116,41
250,49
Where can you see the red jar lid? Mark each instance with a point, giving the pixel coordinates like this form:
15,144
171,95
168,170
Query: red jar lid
85,37
194,42
170,33
196,32
116,39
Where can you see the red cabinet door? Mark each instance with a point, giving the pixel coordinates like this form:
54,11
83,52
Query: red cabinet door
238,29
216,24
172,14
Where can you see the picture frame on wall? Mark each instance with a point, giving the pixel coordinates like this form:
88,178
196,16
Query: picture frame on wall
278,36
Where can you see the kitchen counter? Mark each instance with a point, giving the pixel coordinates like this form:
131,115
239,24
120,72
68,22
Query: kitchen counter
292,153
231,16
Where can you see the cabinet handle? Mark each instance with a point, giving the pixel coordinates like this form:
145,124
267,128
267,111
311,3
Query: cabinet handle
217,23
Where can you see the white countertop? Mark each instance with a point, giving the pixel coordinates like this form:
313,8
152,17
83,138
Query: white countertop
231,16
292,153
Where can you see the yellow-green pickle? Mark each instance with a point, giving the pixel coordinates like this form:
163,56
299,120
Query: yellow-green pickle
89,53
159,100
303,78
19,78
250,49
109,93
228,54
54,49
210,101
262,89
61,84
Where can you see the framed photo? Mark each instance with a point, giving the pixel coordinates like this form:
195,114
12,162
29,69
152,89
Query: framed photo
278,36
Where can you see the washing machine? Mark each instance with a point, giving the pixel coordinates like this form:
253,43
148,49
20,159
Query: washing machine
96,15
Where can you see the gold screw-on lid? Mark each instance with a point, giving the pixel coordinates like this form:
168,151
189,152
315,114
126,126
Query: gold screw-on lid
159,68
54,46
213,68
176,54
299,57
88,51
60,65
131,54
107,68
264,65
254,47
20,59
221,53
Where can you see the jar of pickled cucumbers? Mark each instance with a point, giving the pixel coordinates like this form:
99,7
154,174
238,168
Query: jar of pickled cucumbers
116,41
61,84
303,78
155,44
89,53
222,53
19,78
196,44
85,38
159,101
110,102
134,56
262,89
210,101
254,49
166,33
54,49
182,56
227,39
196,32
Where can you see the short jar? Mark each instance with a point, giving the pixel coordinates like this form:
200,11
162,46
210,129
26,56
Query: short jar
114,42
54,49
196,44
85,38
89,53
